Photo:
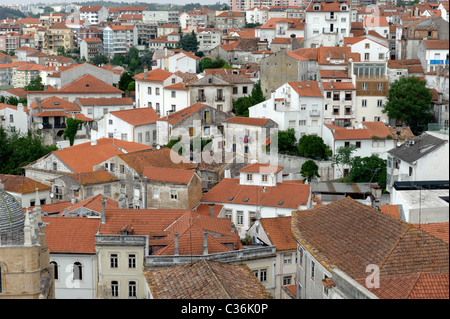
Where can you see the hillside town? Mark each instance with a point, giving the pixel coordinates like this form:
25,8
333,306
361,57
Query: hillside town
243,149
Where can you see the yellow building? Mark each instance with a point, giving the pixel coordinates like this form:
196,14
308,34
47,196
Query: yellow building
58,35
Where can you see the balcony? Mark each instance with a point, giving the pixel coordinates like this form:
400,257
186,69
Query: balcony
328,30
314,113
60,125
47,125
330,17
201,98
220,98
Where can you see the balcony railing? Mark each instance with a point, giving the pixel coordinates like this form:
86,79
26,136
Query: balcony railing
201,98
314,113
220,98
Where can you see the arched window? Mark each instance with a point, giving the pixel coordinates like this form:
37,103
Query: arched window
132,289
55,267
77,271
115,288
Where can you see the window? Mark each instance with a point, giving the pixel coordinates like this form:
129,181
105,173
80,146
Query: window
174,93
56,272
287,259
380,56
249,177
124,137
335,110
110,122
149,91
132,261
77,271
235,90
228,213
157,91
263,275
367,56
244,90
380,86
55,166
367,46
358,144
11,118
329,95
89,192
155,192
157,110
147,136
302,122
132,289
240,217
316,8
264,178
335,96
139,137
346,144
364,103
107,190
287,280
325,289
379,103
313,265
364,86
114,261
115,288
173,194
410,171
105,110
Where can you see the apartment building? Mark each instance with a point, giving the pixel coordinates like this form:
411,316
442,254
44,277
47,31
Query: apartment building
94,14
90,48
56,36
117,39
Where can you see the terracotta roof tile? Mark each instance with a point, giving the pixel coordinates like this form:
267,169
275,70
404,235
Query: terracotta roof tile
97,177
94,203
439,230
307,88
205,280
105,101
284,195
278,230
350,235
155,158
168,175
157,75
75,235
262,168
436,44
138,116
253,121
21,184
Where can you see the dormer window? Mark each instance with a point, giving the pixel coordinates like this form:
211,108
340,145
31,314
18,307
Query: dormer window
249,177
344,8
316,7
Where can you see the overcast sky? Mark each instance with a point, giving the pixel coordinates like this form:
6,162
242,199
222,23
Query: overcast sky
131,1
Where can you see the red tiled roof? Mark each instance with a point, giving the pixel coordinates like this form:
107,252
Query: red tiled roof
436,44
21,184
350,235
253,121
276,196
205,280
138,116
94,204
88,84
338,85
375,21
307,88
439,230
377,129
74,235
54,102
261,168
278,230
97,177
156,75
105,101
168,175
391,210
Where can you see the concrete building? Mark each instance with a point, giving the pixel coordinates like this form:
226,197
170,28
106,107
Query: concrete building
433,53
94,14
296,105
90,48
259,192
329,18
118,39
416,159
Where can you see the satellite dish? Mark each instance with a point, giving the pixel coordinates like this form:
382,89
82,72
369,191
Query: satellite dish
40,126
52,195
398,144
158,147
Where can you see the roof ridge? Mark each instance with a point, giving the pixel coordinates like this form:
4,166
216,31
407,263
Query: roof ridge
410,226
217,279
418,275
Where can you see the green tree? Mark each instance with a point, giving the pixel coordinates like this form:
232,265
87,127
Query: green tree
99,60
189,42
20,149
368,169
131,86
241,106
35,85
309,170
72,126
118,59
124,81
343,157
409,100
205,63
286,140
312,146
257,93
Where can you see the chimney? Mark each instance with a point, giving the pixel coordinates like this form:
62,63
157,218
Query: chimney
176,249
205,243
233,227
145,72
211,210
38,102
103,218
